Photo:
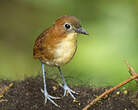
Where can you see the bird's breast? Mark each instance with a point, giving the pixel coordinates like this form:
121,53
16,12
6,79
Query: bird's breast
65,50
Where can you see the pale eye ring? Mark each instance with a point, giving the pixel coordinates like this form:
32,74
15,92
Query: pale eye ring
67,26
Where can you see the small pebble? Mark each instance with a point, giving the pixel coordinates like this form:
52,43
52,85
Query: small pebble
118,92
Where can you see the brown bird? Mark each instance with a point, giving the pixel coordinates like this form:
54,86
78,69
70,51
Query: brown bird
56,46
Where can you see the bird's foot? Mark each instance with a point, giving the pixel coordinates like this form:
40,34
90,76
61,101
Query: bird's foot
67,89
49,97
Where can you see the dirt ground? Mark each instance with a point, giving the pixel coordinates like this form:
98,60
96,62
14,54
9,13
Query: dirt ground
26,95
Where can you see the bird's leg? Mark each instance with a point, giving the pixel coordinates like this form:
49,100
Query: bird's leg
66,88
47,96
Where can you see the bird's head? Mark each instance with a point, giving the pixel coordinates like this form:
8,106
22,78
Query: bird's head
69,24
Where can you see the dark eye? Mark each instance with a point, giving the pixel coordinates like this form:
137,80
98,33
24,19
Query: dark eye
67,26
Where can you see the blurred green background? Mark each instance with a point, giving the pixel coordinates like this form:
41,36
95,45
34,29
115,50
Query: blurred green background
113,36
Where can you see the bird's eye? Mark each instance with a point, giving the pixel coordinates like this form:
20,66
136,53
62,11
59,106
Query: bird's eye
67,26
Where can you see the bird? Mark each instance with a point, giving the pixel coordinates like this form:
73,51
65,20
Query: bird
56,47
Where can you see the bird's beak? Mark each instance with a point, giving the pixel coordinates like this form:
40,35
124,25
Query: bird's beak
80,30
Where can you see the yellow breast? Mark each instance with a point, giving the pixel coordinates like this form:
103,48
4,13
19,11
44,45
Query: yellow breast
65,49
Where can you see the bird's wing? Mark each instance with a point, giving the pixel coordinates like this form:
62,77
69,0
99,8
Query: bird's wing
37,49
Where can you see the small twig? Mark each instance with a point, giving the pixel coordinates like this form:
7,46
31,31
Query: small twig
5,89
131,70
110,90
134,76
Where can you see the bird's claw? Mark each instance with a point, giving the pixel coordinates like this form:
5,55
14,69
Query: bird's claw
67,89
49,97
